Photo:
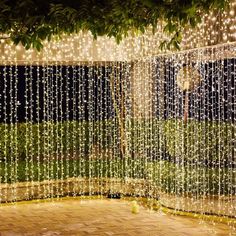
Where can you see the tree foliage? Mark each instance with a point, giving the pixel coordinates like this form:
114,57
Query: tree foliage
33,21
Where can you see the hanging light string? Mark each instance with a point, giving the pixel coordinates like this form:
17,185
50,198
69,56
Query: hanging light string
165,140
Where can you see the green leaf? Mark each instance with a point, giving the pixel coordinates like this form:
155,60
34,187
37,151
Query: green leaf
28,22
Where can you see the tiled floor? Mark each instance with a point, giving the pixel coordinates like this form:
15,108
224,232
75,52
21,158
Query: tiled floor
97,217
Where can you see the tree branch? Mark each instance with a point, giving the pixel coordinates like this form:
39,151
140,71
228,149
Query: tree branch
5,37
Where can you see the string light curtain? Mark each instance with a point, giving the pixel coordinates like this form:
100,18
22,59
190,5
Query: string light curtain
104,121
161,126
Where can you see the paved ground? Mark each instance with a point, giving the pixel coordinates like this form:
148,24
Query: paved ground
97,217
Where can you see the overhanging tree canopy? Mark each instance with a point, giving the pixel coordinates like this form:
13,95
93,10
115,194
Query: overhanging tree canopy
30,22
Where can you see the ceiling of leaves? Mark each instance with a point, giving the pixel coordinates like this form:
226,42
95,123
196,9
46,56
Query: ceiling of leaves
32,22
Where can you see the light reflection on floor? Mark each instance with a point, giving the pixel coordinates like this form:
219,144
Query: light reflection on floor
97,217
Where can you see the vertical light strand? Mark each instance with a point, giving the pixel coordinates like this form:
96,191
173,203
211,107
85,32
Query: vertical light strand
27,170
67,129
197,125
57,122
226,157
44,128
31,138
16,104
90,126
84,138
128,119
55,129
5,129
107,154
212,162
188,162
143,160
51,130
100,129
118,129
93,128
81,124
225,152
219,161
118,153
48,132
205,120
160,125
201,137
39,127
97,145
179,126
148,188
61,106
74,130
155,140
110,79
232,176
206,132
11,132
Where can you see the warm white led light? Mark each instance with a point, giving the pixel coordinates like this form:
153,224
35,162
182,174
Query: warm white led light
100,118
